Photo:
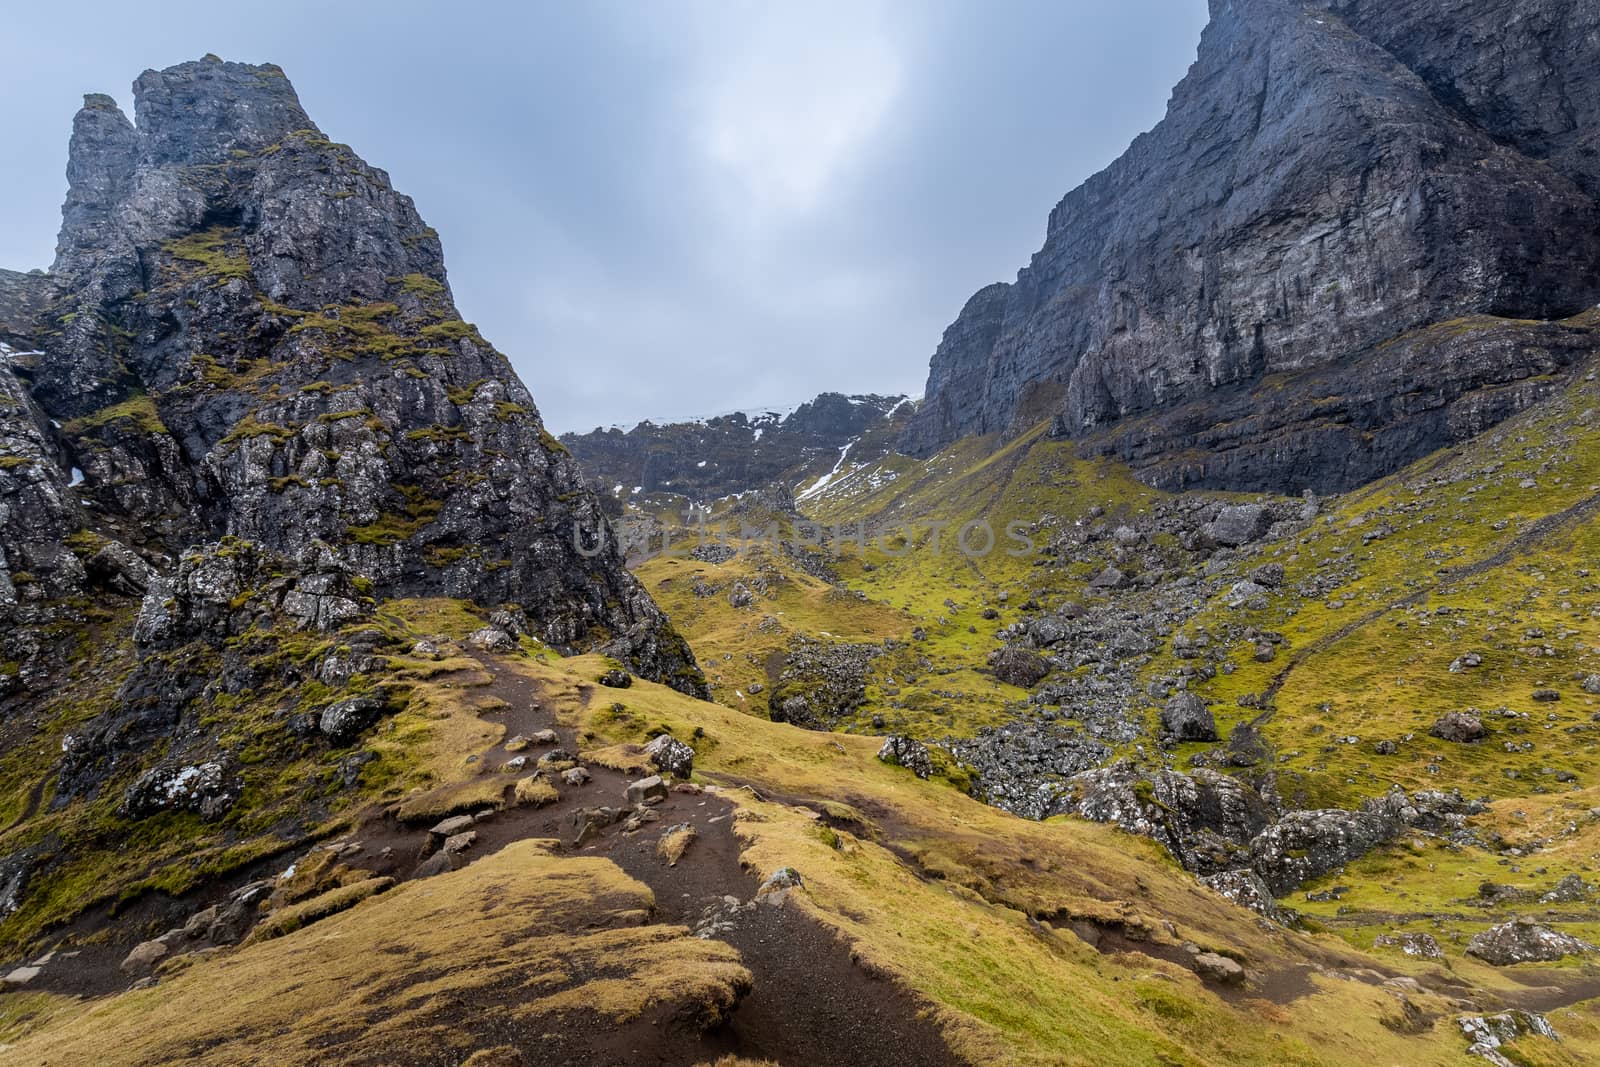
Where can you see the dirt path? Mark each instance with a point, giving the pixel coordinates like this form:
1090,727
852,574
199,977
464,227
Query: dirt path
810,1004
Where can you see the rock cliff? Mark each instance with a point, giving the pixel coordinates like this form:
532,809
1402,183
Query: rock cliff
1360,233
248,335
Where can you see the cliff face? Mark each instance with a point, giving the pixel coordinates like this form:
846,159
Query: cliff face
1220,305
734,453
248,333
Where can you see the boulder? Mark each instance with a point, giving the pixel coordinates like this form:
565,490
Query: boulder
651,790
343,722
1214,967
1458,727
1307,844
1186,718
908,753
615,679
144,956
670,756
1524,941
1239,524
1246,889
492,639
1019,666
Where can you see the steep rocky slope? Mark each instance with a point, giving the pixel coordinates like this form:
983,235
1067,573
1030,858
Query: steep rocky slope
243,433
1351,241
727,454
248,333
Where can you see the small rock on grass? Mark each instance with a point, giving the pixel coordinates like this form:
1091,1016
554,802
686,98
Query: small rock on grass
1214,967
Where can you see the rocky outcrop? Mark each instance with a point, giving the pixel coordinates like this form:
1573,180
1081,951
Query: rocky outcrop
728,454
1358,235
1525,941
248,333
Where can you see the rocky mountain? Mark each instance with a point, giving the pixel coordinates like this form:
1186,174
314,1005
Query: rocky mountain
727,454
1363,230
248,334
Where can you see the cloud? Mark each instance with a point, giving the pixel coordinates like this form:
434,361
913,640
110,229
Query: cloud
674,207
788,96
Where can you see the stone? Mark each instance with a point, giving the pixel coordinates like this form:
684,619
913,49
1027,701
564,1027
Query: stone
908,753
1571,889
456,844
575,776
778,885
1186,718
1546,696
1246,889
1486,1034
1459,727
544,737
438,863
1303,845
1524,941
21,976
1417,946
1238,524
671,756
145,956
492,639
344,721
1218,968
615,679
651,790
584,825
1019,666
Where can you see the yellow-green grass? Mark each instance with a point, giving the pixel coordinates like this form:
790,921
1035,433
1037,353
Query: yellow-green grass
969,906
795,604
439,964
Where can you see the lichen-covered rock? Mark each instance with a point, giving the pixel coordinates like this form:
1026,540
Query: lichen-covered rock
344,721
670,756
1186,718
1206,820
907,752
1246,889
1019,666
1415,945
1306,844
1487,1034
1525,941
208,789
1459,727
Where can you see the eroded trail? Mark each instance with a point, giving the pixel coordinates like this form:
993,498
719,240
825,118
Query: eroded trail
810,1004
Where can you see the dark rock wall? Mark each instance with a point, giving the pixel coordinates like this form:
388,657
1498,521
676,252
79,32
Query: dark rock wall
1329,176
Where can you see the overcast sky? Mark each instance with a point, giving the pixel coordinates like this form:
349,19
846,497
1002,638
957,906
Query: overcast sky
666,209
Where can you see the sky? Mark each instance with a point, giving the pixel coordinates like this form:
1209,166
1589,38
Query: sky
666,208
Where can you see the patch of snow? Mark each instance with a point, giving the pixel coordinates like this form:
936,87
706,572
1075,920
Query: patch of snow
823,482
77,478
702,463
